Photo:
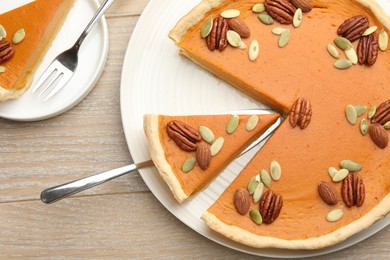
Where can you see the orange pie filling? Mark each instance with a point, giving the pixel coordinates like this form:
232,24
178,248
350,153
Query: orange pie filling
278,77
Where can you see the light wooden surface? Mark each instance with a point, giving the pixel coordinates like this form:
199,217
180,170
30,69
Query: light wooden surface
120,219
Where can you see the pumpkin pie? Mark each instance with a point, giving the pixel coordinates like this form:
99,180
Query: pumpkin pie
189,151
324,174
40,20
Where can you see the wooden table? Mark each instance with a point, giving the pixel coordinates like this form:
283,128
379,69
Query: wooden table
120,219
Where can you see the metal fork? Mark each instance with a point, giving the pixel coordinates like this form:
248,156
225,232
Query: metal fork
62,68
62,191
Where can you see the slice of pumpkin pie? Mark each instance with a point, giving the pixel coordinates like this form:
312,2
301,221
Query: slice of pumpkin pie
324,175
189,151
26,34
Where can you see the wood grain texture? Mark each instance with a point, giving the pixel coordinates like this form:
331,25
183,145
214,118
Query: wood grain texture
119,219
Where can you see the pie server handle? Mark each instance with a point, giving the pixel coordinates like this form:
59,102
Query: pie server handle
61,191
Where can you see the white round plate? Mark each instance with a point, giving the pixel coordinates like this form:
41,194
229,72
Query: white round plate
92,58
155,79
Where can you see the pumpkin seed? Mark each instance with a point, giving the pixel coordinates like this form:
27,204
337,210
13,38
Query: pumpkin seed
232,124
252,185
3,32
369,30
278,30
265,178
257,178
1,38
18,36
343,43
350,165
242,45
340,175
253,50
363,126
387,125
383,40
252,122
258,8
206,28
334,215
231,13
256,216
342,64
360,109
297,19
332,50
351,115
258,192
351,55
206,134
188,165
217,146
233,38
284,38
276,170
332,171
371,111
266,19
2,69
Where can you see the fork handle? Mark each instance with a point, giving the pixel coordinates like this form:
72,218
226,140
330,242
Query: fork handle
99,13
59,192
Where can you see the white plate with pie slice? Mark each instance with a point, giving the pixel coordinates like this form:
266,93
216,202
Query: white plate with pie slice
92,58
155,79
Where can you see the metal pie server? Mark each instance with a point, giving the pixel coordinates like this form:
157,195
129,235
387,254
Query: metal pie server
61,191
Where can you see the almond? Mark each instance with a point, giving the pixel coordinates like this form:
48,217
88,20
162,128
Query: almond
242,201
305,5
203,155
328,193
379,135
239,26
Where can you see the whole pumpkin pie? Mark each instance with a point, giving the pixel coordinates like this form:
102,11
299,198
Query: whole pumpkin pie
189,151
324,174
39,21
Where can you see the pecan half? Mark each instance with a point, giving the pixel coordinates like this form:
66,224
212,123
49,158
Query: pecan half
281,10
328,193
367,50
382,114
242,200
239,26
301,113
217,39
305,5
352,190
362,50
378,135
184,135
6,51
353,28
203,155
270,206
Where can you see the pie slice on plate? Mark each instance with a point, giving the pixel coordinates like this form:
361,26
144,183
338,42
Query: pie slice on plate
39,22
324,175
189,151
